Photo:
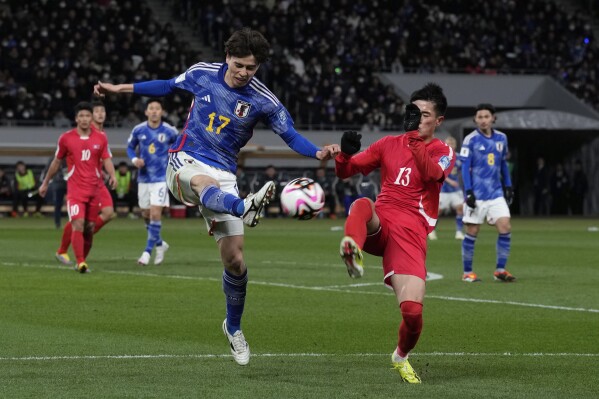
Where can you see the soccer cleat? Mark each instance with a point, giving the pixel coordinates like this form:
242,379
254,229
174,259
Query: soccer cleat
82,267
254,204
432,235
144,259
63,258
459,235
239,347
404,369
352,257
470,277
160,251
504,276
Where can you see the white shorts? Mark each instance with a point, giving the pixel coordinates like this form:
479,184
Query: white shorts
152,194
491,209
450,201
179,172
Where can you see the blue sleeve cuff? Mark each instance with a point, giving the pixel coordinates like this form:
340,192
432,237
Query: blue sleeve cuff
154,88
299,143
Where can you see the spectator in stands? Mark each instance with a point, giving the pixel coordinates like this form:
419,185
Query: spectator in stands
5,188
559,191
541,188
579,189
25,185
124,191
347,192
329,194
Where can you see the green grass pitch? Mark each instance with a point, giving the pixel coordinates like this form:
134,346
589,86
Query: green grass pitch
125,331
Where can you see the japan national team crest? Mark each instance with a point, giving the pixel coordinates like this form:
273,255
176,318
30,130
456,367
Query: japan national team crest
499,146
242,109
161,137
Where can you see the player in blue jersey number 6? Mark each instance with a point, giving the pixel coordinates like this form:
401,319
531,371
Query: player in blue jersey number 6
147,148
486,175
228,103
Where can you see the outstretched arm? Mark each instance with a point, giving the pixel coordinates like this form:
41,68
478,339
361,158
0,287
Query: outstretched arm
152,88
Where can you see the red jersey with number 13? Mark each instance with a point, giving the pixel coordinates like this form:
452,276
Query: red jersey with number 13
405,198
84,155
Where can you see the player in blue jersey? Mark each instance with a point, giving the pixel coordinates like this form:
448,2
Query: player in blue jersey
148,150
451,198
228,103
485,175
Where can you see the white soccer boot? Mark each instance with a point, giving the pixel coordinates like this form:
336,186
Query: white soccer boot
255,203
432,235
144,259
239,347
459,235
160,251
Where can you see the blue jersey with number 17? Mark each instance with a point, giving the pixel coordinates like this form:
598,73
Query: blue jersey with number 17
153,147
222,119
484,164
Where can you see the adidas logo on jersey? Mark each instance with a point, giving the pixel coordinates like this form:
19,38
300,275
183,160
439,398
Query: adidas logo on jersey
206,98
481,148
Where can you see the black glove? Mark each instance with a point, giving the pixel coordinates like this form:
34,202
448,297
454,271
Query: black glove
411,118
350,142
470,199
509,195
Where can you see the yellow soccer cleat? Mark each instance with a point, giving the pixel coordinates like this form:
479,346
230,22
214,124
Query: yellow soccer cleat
63,258
405,370
352,257
82,267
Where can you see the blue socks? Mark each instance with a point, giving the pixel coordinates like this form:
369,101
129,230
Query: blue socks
218,201
468,252
503,249
154,237
235,289
459,224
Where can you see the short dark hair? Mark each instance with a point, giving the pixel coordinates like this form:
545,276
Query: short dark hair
433,93
123,163
246,42
83,106
154,100
98,103
485,106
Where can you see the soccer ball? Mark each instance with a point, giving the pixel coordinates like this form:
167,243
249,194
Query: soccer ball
302,198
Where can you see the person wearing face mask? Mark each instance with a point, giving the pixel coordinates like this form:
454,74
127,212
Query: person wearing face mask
228,103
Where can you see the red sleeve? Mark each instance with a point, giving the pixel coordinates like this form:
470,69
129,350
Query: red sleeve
430,168
61,148
106,152
364,162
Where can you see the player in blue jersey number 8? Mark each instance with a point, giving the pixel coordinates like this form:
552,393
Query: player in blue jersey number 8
228,103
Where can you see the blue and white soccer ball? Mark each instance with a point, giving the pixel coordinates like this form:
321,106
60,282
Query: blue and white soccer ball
302,198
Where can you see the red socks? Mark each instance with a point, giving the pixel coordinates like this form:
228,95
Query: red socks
66,238
88,239
355,225
78,245
410,328
98,224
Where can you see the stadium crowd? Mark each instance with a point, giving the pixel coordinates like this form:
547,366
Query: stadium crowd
324,57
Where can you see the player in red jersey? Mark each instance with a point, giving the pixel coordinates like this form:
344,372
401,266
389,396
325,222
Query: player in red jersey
104,199
85,149
413,167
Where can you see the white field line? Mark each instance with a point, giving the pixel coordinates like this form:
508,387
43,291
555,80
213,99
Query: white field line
348,289
298,355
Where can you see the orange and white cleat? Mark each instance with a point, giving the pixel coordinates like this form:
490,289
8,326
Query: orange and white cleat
470,277
504,276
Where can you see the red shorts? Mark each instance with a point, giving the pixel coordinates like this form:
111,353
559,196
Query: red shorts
81,206
403,249
103,198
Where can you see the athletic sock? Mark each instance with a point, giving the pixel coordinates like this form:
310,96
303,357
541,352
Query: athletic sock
98,224
65,241
459,223
219,201
78,245
410,327
503,249
153,235
234,288
355,225
468,252
88,239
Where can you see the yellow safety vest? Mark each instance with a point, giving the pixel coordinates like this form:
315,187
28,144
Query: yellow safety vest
25,182
123,183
